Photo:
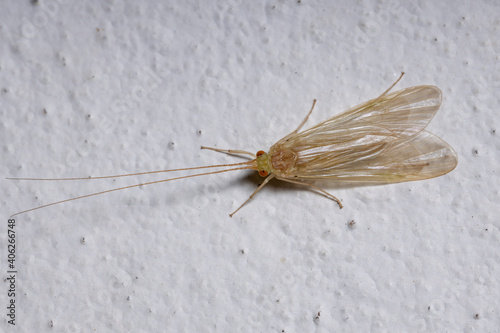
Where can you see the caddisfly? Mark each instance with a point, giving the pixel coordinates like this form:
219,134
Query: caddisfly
380,141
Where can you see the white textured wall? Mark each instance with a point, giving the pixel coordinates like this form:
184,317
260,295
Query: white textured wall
110,87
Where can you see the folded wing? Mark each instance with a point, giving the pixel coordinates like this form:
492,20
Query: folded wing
380,141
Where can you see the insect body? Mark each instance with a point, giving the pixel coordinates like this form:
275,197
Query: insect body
380,141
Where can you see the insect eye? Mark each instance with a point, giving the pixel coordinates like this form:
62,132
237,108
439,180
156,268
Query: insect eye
263,173
260,152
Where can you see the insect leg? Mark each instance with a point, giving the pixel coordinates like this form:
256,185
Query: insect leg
392,86
271,176
305,119
229,151
328,195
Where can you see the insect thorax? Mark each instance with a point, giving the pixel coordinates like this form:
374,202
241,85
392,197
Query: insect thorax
283,160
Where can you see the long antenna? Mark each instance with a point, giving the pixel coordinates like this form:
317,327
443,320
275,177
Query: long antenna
136,185
135,174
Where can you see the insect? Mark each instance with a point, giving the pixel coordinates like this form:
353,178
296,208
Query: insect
380,141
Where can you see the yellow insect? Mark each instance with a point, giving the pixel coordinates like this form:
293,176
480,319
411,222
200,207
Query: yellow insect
380,141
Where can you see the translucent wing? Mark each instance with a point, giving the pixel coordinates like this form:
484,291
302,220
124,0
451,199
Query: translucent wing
380,141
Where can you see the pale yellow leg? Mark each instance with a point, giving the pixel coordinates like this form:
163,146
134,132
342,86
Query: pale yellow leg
229,151
392,86
328,195
271,176
301,124
305,119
